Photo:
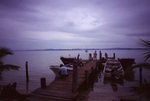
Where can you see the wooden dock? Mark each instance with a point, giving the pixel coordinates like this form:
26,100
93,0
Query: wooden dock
65,88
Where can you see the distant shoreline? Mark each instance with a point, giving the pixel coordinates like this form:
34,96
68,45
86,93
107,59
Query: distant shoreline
84,49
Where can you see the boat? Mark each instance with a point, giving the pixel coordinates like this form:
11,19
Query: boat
68,60
113,68
57,69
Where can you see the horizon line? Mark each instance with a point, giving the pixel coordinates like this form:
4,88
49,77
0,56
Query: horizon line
51,49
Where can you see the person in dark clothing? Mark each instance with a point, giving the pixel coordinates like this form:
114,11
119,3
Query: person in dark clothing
113,72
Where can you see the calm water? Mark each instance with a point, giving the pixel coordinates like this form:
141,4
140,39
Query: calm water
40,61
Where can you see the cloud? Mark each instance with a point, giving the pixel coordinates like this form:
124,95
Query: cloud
55,36
77,22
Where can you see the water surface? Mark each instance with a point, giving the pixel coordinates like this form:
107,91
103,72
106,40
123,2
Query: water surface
40,61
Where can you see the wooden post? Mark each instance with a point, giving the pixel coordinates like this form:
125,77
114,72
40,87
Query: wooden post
86,78
114,56
90,56
100,66
106,56
27,87
75,78
27,75
100,55
43,83
140,75
92,74
92,68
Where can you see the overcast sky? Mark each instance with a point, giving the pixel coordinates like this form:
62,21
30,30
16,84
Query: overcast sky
40,24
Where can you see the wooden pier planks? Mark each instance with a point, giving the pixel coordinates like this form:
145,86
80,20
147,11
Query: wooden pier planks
61,89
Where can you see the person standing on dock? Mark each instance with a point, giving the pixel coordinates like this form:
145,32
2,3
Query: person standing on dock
95,55
78,56
78,60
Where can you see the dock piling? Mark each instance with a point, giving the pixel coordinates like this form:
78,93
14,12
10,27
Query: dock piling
86,78
75,78
114,56
43,83
27,75
100,55
140,76
106,56
92,75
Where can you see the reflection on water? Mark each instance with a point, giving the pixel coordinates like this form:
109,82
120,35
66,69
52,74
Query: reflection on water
108,90
113,82
27,87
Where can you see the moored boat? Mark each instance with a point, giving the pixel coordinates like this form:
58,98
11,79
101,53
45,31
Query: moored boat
68,60
113,68
86,50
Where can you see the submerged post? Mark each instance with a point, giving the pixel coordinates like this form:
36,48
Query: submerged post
75,78
27,75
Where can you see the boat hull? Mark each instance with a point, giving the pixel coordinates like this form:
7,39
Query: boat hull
109,65
67,60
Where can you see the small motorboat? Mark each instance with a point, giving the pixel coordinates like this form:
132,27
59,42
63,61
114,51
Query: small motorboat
57,69
113,69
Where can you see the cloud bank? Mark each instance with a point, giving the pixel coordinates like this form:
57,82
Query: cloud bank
28,24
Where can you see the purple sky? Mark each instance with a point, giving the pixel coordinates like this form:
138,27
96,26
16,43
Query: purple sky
40,24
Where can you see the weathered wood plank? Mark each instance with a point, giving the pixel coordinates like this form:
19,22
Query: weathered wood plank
61,89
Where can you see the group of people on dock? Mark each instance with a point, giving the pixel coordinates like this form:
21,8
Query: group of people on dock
63,69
